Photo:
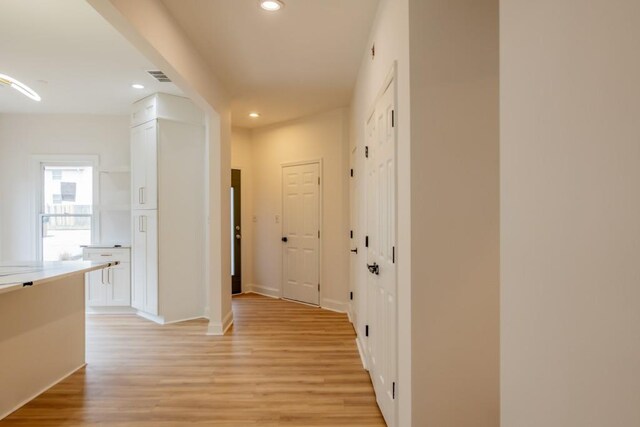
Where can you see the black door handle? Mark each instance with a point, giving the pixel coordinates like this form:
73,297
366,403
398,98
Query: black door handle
375,268
355,251
285,239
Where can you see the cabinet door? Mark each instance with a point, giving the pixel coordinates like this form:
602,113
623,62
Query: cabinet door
144,168
151,231
96,288
150,193
119,286
138,261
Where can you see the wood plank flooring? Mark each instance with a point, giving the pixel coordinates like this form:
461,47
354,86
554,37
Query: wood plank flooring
281,364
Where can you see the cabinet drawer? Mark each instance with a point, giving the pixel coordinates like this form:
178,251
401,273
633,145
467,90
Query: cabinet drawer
115,254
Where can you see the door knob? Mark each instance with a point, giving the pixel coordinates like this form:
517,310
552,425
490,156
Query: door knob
374,268
285,239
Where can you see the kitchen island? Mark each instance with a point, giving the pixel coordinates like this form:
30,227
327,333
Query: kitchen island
42,327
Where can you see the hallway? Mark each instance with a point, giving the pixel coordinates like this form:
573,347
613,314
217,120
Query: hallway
281,363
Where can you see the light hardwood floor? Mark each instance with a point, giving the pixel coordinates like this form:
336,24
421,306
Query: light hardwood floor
281,364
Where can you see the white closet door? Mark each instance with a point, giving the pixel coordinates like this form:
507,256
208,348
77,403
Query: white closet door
301,229
381,226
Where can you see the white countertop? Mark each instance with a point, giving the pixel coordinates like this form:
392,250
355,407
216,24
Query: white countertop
17,275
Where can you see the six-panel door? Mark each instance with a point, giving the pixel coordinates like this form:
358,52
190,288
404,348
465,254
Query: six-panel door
301,229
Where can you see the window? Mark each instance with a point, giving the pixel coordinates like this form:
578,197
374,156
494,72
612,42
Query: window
66,216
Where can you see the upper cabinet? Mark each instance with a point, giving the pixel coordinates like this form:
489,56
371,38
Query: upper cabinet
144,166
145,117
169,107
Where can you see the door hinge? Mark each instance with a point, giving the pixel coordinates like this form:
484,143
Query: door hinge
318,287
318,234
366,241
393,254
366,330
393,118
351,296
351,172
366,151
393,390
318,180
351,234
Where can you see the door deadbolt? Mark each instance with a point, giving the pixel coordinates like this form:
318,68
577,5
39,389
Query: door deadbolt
374,268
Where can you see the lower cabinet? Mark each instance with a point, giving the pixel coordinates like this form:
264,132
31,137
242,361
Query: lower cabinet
110,287
145,261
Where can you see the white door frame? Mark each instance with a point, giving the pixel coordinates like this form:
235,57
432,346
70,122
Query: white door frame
37,163
319,162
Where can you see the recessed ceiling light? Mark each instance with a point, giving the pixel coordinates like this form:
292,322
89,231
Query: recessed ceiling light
254,115
20,87
271,5
137,86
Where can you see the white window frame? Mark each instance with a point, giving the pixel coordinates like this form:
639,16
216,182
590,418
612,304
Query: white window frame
38,163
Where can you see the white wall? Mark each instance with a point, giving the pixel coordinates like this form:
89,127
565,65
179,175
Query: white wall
23,135
390,33
322,136
455,212
570,206
149,26
241,158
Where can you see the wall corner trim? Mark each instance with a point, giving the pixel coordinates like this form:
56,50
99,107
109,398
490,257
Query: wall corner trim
217,328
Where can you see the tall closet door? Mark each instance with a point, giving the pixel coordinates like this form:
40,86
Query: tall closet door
381,254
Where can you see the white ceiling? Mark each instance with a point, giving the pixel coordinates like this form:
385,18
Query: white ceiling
75,60
298,61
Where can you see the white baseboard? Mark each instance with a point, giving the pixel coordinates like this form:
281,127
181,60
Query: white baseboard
334,305
156,319
263,290
111,310
216,328
24,402
361,352
169,322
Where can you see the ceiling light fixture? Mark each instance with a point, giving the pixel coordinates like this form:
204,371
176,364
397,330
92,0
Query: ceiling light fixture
137,86
20,87
271,5
254,115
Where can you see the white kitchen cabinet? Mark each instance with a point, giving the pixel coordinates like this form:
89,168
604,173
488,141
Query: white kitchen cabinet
144,292
110,287
144,159
168,177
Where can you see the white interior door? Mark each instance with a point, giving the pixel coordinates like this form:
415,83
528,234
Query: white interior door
301,232
381,225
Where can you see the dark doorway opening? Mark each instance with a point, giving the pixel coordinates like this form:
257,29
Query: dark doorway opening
236,232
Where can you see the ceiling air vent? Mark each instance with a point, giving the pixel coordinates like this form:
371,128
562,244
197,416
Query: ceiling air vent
159,76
